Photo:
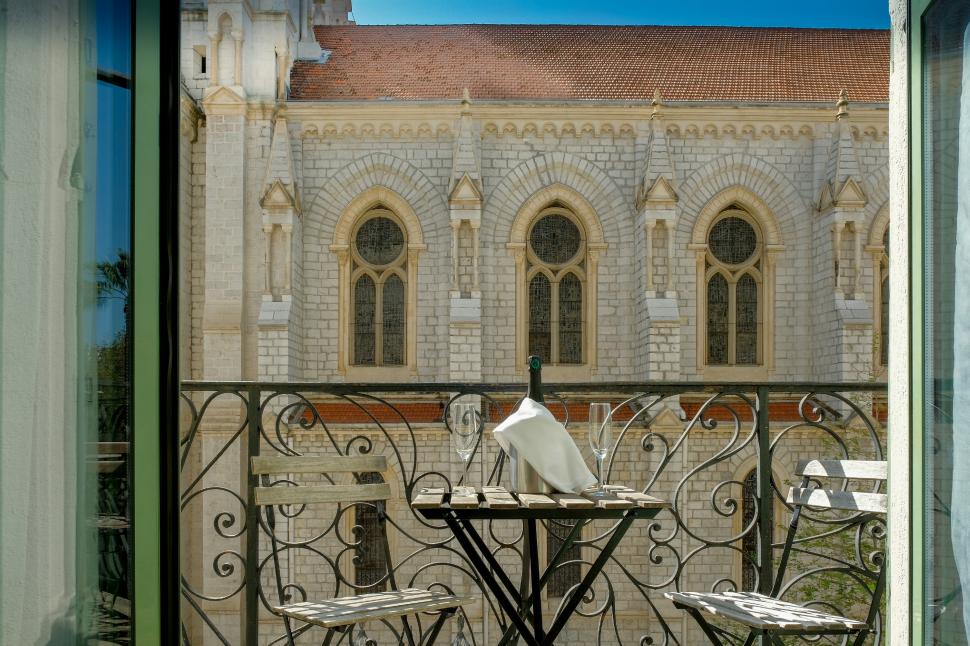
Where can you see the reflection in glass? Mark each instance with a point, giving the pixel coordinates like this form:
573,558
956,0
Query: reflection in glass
946,95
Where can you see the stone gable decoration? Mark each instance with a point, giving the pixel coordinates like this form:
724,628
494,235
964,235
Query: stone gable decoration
661,192
303,128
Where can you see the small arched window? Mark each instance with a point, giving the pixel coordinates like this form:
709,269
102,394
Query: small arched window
733,284
378,290
556,287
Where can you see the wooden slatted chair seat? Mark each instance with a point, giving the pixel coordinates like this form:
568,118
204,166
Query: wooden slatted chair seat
347,611
766,615
763,612
337,615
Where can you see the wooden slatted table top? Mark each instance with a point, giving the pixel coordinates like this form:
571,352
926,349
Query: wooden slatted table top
498,503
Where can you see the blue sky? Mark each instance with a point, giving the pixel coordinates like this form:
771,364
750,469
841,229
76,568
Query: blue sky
775,13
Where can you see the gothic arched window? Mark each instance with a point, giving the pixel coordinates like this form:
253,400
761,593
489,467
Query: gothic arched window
556,279
733,286
370,558
379,290
569,573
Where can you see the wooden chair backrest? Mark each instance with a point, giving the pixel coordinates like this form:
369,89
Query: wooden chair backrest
322,493
869,502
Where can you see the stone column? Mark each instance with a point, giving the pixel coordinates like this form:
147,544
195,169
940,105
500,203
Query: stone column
476,279
268,259
225,205
214,40
455,230
837,230
237,37
650,225
288,259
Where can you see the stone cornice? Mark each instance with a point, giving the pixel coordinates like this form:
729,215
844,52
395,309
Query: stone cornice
558,111
399,119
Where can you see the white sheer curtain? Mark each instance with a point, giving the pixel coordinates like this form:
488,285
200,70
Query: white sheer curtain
44,409
960,507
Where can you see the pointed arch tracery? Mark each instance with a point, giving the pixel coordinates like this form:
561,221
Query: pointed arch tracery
556,238
735,238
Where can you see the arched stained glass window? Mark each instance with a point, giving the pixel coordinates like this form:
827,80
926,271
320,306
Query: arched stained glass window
540,320
569,574
884,331
365,313
747,321
393,310
570,319
370,557
556,290
379,290
734,291
717,320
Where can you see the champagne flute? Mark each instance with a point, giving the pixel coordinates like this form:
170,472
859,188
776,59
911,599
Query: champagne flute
464,437
600,438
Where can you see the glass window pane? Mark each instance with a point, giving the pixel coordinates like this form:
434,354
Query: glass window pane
365,317
570,319
566,576
114,37
749,542
540,317
747,322
946,194
370,564
717,320
884,324
732,240
555,239
65,333
379,241
393,312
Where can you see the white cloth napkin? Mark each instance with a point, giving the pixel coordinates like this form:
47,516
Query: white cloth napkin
543,442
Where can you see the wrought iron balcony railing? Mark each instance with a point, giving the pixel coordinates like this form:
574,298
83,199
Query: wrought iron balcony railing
720,453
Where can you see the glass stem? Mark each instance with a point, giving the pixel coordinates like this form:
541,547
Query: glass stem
464,475
599,470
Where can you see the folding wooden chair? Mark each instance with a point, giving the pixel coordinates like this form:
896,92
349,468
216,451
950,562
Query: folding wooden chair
342,614
769,616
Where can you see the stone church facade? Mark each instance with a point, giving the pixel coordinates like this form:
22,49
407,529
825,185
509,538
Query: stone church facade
433,204
281,163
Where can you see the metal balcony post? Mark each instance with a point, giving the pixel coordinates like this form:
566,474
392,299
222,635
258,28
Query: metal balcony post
766,507
253,422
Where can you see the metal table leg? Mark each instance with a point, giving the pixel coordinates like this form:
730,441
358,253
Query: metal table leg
534,580
481,567
590,577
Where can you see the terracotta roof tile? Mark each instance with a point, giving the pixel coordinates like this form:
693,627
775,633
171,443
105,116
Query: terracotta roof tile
549,62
